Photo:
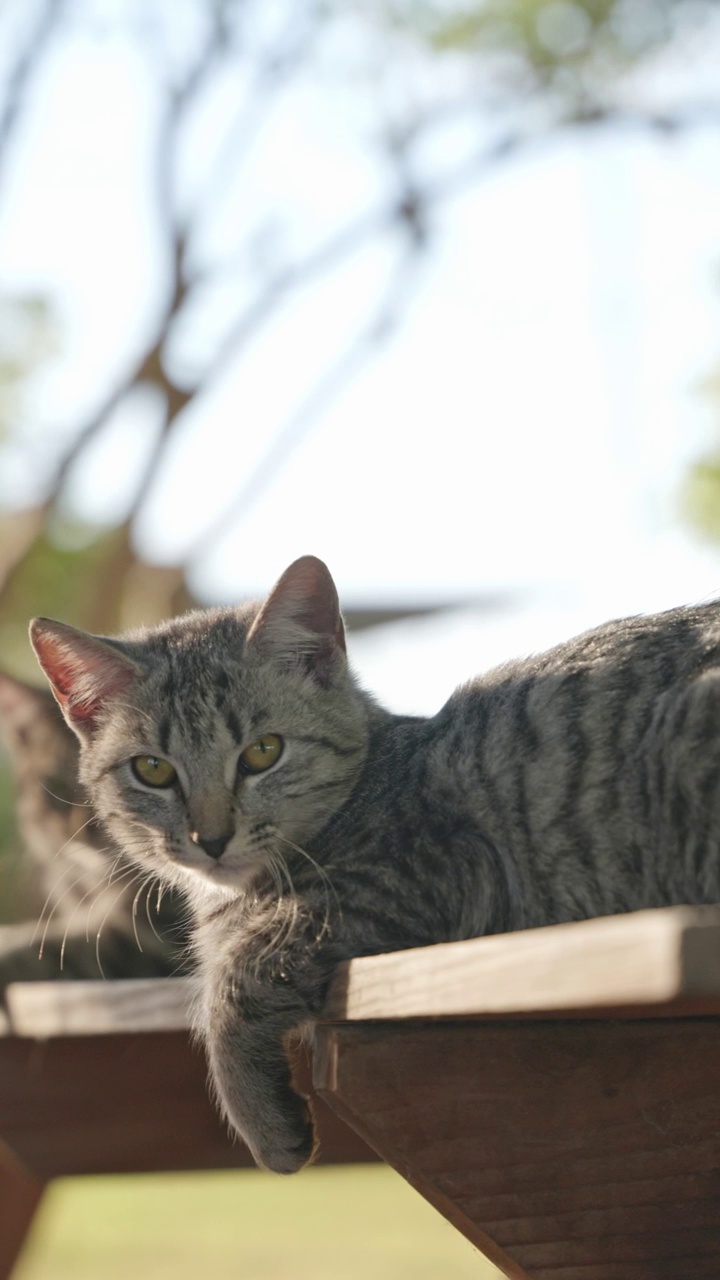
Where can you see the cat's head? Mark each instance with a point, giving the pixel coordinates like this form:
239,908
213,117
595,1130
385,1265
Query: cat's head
213,742
43,753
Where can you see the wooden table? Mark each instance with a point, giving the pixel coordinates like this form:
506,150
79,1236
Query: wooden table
554,1093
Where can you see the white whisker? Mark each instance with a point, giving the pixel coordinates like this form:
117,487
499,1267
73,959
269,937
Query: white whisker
150,884
77,804
322,873
97,890
109,911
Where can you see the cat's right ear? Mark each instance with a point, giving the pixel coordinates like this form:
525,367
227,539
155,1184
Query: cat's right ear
86,673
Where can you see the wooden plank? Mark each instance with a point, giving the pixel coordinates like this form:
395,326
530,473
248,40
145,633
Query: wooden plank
127,1104
645,963
667,960
20,1195
563,1150
44,1009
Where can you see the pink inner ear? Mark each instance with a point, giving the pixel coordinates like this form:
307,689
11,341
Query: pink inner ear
84,672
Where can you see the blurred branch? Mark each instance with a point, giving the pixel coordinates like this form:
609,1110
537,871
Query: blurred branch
407,213
408,210
24,68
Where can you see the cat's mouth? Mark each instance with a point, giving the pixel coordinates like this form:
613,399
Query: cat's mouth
232,869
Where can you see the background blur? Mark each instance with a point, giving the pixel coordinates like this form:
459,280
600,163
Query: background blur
429,288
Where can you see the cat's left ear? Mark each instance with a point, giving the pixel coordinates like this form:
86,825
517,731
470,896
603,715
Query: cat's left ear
85,672
300,623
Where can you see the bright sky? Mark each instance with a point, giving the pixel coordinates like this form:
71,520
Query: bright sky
525,430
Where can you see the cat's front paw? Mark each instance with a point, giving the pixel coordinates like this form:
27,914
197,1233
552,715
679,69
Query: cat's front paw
252,1085
281,1138
289,1144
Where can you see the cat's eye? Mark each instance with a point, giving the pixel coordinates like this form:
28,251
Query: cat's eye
154,771
260,755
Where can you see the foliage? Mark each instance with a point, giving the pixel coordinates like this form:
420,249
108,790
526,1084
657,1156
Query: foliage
699,491
529,67
28,337
576,49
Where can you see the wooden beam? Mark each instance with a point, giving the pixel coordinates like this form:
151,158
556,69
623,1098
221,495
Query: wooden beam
563,1151
20,1195
647,963
41,1010
127,1103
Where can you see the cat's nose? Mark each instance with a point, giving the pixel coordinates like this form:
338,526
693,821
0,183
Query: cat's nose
214,848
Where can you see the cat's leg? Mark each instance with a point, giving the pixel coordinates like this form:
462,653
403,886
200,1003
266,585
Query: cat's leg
250,1076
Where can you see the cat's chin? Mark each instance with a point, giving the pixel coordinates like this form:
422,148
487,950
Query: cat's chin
218,880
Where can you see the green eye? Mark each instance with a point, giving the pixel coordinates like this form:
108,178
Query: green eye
262,754
154,771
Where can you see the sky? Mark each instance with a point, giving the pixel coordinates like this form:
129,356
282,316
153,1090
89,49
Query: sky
521,436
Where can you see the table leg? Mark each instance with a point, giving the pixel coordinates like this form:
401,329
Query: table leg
20,1195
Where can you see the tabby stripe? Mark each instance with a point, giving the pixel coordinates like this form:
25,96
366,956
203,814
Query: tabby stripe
233,725
318,740
527,735
315,787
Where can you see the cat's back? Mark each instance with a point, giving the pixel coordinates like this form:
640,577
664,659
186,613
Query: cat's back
635,659
593,762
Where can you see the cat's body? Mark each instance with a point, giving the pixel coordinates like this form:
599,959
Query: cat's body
233,753
75,883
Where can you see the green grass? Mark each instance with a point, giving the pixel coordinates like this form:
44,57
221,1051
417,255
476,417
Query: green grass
326,1224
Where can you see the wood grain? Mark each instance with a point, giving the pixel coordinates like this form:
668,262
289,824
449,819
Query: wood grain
44,1009
564,1151
647,963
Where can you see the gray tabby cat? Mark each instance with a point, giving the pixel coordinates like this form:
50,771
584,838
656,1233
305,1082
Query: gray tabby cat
232,753
79,886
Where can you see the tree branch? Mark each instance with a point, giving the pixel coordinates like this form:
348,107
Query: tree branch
21,74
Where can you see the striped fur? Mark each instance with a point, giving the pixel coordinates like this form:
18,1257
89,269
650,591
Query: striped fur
578,783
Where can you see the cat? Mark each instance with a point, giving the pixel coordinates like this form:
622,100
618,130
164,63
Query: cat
90,925
233,754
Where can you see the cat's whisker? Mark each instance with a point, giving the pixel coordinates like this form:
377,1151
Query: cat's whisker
328,885
69,870
75,835
133,915
108,913
76,804
124,882
58,902
285,933
94,890
90,892
276,877
278,869
147,883
150,883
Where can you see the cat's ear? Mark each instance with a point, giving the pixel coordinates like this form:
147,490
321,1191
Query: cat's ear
300,622
85,672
